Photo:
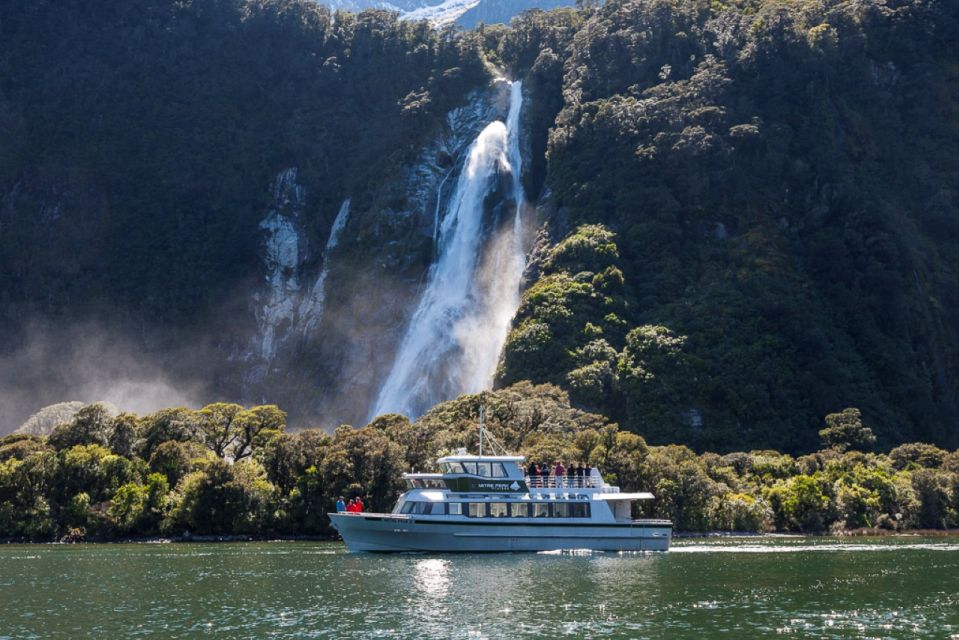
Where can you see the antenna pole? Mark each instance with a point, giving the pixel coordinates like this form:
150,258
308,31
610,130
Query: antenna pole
482,408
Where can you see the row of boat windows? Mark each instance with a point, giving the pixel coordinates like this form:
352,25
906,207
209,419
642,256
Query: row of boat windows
485,469
500,509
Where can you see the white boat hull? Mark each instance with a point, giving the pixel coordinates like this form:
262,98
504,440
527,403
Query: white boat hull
367,532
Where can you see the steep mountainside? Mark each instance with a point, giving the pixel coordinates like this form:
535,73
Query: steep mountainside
142,147
772,234
747,211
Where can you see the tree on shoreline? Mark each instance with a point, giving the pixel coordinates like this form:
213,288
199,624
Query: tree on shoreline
73,487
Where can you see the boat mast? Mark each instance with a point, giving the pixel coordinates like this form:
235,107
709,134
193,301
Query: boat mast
481,411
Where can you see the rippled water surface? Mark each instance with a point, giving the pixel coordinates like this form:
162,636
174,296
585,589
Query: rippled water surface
741,588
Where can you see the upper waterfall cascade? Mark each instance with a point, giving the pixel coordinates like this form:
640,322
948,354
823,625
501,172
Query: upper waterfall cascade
455,335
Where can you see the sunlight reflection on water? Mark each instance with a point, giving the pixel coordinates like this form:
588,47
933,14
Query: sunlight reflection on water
749,587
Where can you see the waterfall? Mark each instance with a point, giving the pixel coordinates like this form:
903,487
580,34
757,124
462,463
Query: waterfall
311,308
454,337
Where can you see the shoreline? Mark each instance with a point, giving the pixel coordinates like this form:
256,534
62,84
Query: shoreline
681,535
851,533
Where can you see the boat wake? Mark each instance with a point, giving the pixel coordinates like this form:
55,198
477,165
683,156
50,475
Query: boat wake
829,547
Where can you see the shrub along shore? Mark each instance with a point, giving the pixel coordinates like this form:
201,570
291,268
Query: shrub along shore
229,472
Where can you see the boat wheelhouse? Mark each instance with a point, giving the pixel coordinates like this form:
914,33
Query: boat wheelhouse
488,503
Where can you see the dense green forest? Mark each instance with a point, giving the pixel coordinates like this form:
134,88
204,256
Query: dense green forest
748,208
142,136
754,217
226,470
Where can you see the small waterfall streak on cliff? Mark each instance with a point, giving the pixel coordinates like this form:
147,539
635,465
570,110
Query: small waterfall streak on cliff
311,310
436,211
453,340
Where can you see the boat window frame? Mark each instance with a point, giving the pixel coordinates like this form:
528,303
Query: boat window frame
500,468
455,509
481,507
453,467
505,509
582,507
513,511
559,510
469,468
540,507
484,469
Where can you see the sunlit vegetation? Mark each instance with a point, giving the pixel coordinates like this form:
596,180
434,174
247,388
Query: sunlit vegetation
226,470
771,182
751,241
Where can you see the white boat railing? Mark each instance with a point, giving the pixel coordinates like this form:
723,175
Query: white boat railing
564,482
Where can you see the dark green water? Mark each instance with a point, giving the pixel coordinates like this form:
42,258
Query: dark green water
739,588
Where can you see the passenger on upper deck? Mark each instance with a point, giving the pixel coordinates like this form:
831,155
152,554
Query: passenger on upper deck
544,476
559,471
340,505
359,504
532,470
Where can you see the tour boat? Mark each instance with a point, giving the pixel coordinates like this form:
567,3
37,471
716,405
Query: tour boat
488,503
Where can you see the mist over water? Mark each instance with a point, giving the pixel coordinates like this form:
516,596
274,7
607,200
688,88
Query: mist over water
454,337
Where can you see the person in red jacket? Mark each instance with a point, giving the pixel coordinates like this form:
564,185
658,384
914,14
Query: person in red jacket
359,504
351,506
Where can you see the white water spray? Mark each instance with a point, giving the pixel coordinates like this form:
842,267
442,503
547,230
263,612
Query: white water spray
311,309
454,338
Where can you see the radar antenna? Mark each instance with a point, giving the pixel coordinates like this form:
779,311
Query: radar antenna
494,444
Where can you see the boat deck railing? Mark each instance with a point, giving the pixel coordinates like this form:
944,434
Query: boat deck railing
564,482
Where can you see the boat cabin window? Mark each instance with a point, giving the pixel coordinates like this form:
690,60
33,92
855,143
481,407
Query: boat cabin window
579,510
519,509
506,509
452,467
498,510
424,508
482,469
425,483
